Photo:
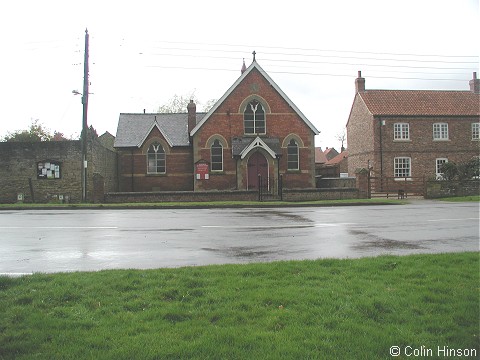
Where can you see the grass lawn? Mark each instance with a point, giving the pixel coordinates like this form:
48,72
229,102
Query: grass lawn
324,309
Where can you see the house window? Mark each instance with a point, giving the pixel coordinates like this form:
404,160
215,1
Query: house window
475,131
402,167
401,131
254,118
440,131
292,155
156,159
438,167
216,156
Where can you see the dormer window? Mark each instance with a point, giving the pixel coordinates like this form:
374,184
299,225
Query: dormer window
254,118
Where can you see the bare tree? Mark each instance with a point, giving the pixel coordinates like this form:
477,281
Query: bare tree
179,103
342,137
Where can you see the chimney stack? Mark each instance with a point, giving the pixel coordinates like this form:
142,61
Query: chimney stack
192,116
475,84
360,83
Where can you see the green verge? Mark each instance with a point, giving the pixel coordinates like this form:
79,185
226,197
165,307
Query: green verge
323,309
472,198
206,204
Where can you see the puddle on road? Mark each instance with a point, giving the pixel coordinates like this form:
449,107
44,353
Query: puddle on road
243,252
376,242
272,214
155,230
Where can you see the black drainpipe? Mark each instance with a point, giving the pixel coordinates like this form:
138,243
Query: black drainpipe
133,168
381,154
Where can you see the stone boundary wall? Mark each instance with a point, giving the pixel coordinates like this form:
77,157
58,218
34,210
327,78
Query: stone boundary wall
335,182
320,194
19,174
439,189
20,171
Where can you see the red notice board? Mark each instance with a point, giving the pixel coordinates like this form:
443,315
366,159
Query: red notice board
201,170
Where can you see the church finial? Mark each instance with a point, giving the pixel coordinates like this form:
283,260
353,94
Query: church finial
244,67
254,53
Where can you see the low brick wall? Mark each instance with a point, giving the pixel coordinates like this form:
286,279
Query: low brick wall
180,196
439,189
234,195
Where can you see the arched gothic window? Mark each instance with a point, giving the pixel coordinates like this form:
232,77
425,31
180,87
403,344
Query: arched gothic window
292,155
156,159
216,155
254,118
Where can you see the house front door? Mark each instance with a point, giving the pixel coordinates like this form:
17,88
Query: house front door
257,165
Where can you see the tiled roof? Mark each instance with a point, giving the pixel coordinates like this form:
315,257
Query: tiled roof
320,157
421,102
330,153
337,159
134,128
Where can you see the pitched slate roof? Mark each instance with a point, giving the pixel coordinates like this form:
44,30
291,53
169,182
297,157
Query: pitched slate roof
254,65
421,102
133,129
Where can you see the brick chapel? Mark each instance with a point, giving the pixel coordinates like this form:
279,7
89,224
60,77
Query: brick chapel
254,131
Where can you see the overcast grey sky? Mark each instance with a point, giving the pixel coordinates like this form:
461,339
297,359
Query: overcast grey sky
144,52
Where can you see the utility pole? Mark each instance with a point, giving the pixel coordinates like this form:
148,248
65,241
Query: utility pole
84,120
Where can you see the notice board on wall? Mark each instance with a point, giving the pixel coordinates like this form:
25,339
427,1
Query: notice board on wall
49,169
202,170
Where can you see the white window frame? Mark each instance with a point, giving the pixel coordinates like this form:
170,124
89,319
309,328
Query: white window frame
401,131
155,157
440,131
255,121
476,131
220,146
438,163
400,164
293,158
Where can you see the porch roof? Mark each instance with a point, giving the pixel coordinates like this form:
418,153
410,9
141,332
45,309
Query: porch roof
241,145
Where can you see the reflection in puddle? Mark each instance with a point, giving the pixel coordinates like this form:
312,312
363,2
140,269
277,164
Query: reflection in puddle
377,242
244,251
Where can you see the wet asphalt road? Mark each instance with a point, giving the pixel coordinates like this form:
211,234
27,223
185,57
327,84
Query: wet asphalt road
80,240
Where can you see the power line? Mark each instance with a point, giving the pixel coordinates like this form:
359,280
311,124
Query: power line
321,56
310,62
301,73
321,50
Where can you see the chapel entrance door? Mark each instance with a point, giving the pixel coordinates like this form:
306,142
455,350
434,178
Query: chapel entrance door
257,165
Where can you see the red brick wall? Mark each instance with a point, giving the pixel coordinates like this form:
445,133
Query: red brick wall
280,122
421,147
360,134
179,168
364,131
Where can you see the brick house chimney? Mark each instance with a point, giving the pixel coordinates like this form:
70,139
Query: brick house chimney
359,83
192,115
474,84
